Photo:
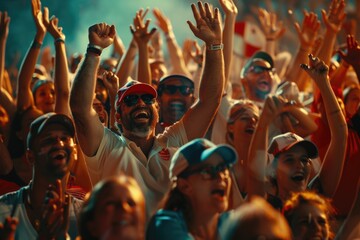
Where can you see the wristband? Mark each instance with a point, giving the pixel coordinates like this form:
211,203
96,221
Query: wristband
94,49
59,40
36,44
215,47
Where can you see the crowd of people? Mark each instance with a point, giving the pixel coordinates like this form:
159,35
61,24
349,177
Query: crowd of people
148,145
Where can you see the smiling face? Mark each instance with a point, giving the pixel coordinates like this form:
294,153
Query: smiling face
119,212
309,221
258,80
208,195
175,99
293,170
241,123
53,151
45,97
138,120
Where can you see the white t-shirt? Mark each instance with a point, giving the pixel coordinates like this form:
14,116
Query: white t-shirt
118,154
24,229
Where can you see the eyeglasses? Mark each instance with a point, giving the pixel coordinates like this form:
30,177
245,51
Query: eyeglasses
131,100
210,172
171,89
260,69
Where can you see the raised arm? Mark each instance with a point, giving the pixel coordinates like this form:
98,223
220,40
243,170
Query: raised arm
333,22
272,28
352,56
142,37
257,159
231,12
307,33
88,125
111,83
62,86
176,57
333,161
4,32
24,94
208,28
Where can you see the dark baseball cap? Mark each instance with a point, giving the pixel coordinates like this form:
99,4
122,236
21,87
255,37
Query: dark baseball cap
259,58
39,124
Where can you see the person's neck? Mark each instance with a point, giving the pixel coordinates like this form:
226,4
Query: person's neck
145,143
203,226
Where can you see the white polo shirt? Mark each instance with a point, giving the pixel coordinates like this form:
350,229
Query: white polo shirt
118,154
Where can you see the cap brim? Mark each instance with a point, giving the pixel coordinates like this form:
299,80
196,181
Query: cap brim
138,88
59,119
228,154
309,146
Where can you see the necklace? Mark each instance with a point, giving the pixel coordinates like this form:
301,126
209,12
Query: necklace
36,220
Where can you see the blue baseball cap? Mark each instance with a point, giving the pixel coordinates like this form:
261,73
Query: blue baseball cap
198,151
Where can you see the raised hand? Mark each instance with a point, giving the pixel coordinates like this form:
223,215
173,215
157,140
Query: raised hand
111,82
162,21
317,69
39,17
308,31
102,34
208,24
273,106
54,29
55,217
272,28
140,30
4,25
352,56
229,7
335,16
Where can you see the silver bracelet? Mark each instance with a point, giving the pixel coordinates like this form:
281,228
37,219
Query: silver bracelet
215,47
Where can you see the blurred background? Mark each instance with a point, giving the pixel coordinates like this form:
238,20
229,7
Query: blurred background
76,16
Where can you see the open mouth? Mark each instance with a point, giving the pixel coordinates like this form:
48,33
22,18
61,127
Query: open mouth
249,130
59,155
299,177
141,114
218,192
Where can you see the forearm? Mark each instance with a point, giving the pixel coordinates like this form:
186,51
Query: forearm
24,95
212,81
306,124
331,170
295,73
270,47
176,57
144,73
327,46
256,164
62,88
228,39
83,88
2,60
127,64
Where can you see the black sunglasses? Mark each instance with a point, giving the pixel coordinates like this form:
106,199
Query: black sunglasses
131,100
171,89
260,69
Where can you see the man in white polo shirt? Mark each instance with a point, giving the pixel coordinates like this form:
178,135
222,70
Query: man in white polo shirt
138,151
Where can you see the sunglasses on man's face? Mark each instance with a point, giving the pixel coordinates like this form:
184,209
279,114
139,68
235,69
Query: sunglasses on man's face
171,89
260,69
131,100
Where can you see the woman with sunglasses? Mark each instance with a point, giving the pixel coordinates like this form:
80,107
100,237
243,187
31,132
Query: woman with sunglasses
290,164
195,206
